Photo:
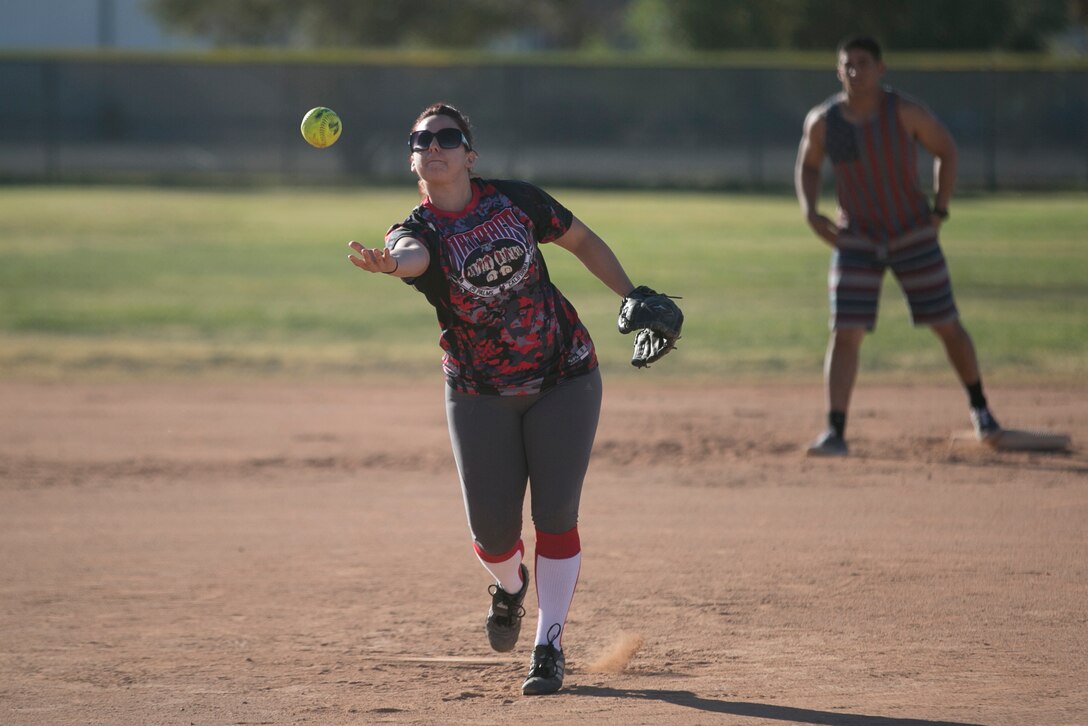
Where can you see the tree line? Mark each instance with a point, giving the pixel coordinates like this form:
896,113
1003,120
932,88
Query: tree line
633,25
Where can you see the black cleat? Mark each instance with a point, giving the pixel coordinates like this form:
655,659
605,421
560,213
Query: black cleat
828,444
504,618
986,426
545,669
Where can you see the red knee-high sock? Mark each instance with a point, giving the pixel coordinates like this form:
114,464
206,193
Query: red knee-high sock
558,560
505,568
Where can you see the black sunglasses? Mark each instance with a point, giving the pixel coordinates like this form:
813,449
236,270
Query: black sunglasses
449,138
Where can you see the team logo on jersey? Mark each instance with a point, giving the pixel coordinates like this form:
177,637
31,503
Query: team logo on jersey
492,257
494,264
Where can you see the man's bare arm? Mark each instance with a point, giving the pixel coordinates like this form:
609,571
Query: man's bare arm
921,124
806,177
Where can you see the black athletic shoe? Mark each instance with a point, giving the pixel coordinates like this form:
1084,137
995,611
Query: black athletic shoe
504,618
545,669
986,426
829,444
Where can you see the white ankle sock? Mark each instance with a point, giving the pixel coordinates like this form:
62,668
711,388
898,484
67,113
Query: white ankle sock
555,583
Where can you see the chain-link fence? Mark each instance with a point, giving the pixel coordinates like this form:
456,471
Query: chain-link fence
621,125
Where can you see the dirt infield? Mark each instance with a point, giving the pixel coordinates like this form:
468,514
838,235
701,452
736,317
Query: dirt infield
269,554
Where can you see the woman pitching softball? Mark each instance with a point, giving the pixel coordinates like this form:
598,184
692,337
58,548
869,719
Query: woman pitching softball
523,392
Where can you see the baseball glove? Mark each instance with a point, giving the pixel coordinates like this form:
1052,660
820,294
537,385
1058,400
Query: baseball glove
658,321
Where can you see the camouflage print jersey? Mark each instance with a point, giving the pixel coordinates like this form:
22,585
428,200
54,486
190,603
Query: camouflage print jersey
506,329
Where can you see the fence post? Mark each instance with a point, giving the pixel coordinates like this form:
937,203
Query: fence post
991,129
757,116
50,96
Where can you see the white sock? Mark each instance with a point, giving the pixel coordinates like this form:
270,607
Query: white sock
506,571
555,583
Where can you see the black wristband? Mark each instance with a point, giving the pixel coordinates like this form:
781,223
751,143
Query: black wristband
396,267
940,212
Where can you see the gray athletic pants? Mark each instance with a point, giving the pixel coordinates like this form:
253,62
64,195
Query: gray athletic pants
501,442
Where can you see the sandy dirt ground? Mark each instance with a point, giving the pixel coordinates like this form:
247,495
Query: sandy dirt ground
279,554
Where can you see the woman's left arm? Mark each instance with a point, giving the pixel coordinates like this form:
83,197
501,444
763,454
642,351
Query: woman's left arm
597,256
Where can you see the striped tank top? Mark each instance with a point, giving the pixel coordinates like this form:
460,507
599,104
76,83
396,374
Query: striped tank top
876,172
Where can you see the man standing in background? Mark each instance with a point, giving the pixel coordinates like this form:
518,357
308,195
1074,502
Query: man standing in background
870,133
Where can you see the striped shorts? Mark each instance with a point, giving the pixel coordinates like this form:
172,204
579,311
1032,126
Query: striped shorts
857,271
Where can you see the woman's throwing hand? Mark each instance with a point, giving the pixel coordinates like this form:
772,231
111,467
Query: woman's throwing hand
373,260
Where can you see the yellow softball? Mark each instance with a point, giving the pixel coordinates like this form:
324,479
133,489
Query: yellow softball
321,127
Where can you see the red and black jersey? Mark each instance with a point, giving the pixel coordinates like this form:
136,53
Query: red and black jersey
506,329
876,172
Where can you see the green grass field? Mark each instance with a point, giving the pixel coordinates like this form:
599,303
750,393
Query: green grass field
116,283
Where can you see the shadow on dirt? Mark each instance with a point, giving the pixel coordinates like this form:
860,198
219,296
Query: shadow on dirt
754,710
